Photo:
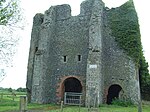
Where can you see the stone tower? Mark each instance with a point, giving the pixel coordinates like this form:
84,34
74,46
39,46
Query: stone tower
78,54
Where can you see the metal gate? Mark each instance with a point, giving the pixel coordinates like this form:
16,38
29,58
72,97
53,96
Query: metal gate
71,98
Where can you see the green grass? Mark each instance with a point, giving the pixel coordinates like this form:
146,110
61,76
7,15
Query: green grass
44,107
8,104
9,101
56,108
104,108
114,108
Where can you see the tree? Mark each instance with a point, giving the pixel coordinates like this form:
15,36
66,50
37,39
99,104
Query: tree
144,77
21,89
144,72
9,12
10,16
10,89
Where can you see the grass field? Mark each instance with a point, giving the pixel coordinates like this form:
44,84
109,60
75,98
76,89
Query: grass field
106,108
9,102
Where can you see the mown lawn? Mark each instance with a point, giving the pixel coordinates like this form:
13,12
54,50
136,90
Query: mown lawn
11,103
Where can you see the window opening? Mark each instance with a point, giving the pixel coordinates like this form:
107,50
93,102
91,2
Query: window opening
36,49
79,57
65,58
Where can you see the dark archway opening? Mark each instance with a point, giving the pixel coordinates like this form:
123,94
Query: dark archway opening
113,93
72,91
72,85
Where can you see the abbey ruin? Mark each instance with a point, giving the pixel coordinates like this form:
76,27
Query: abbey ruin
79,54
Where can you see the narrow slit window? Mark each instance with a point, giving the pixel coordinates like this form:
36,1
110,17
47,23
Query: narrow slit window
79,57
65,58
36,49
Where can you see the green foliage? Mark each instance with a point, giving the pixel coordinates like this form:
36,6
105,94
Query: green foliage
143,71
8,11
144,79
11,19
123,22
125,28
10,89
121,102
21,89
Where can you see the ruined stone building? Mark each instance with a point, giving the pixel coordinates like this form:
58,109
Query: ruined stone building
79,54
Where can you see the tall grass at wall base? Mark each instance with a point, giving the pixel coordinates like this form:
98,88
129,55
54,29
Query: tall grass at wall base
124,103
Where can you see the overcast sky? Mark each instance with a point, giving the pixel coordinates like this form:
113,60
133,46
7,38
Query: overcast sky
16,77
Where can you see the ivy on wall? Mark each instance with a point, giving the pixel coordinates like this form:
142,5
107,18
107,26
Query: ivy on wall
123,22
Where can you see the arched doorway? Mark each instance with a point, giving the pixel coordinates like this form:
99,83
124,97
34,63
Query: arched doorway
72,84
72,91
113,92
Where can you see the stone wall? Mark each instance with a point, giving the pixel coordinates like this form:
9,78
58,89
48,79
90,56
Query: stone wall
38,19
59,39
60,35
118,68
94,82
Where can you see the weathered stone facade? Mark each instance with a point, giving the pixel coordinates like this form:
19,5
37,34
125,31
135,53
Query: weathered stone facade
66,49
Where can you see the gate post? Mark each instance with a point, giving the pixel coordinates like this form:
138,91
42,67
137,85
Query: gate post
61,106
65,98
23,104
80,103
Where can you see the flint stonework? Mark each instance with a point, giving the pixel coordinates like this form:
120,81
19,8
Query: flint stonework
67,48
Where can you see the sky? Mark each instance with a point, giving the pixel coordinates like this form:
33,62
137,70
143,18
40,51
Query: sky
16,76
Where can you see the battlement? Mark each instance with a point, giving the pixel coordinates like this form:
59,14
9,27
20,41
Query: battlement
61,12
